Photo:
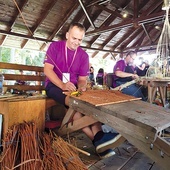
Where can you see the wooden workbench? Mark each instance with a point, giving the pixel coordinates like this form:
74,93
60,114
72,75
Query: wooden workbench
141,123
157,84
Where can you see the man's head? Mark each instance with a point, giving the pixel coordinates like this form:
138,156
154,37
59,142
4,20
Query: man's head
75,35
130,57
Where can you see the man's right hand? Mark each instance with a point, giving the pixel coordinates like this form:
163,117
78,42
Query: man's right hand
135,76
69,86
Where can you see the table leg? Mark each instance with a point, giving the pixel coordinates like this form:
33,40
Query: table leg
162,91
151,93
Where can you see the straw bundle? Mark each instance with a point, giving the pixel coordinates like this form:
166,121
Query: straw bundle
50,160
67,154
20,148
29,147
10,146
24,148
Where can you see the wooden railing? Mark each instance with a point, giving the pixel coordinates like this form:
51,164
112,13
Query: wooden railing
36,79
33,81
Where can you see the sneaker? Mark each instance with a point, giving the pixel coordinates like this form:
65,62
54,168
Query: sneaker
107,153
108,141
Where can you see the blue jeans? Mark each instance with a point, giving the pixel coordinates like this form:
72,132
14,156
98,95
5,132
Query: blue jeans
133,90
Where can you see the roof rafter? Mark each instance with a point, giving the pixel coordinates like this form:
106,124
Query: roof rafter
129,23
21,6
39,21
58,27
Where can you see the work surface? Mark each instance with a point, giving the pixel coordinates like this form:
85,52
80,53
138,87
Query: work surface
104,97
123,106
139,122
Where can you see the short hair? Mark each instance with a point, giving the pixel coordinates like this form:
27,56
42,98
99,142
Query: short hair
76,24
131,53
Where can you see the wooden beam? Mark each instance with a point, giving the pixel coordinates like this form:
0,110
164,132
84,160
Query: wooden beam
124,37
107,40
129,23
133,36
59,27
39,21
105,55
12,22
136,4
94,2
86,13
94,54
147,34
97,49
23,36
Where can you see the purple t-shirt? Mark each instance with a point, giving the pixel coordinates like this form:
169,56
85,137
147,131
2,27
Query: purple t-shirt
119,66
78,66
122,66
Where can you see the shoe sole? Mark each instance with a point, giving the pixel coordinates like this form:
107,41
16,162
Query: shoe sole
111,144
107,155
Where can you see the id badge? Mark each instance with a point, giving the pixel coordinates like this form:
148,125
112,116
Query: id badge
66,77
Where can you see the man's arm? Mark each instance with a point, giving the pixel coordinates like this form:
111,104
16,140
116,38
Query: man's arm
124,74
48,71
82,83
142,67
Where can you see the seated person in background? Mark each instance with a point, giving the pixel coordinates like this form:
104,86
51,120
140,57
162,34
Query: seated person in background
124,72
66,67
91,76
100,78
142,68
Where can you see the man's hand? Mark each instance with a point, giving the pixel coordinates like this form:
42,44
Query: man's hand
82,83
82,88
135,76
69,86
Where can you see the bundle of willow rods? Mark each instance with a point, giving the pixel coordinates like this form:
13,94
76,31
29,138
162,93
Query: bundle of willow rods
50,160
20,148
10,147
67,154
29,147
24,148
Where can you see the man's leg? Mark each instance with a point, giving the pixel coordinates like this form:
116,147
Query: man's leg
88,130
132,90
103,142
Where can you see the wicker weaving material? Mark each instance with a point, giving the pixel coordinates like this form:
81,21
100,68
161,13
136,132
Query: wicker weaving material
104,97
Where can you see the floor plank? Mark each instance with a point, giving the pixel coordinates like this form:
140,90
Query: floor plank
127,157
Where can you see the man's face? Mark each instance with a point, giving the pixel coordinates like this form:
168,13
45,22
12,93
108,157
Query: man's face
131,58
74,38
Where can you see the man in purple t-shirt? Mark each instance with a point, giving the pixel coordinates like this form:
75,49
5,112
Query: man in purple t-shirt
124,72
66,67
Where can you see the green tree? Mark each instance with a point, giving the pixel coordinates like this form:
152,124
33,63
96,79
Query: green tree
5,54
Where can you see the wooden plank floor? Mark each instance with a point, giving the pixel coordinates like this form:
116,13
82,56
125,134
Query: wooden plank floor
127,157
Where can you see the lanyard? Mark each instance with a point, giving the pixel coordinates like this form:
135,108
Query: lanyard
67,58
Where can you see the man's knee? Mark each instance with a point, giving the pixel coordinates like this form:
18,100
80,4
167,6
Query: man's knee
77,115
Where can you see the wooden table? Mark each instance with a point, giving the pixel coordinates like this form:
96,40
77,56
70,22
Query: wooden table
157,84
141,123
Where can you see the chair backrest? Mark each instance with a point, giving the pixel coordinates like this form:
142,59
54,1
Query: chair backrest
109,80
